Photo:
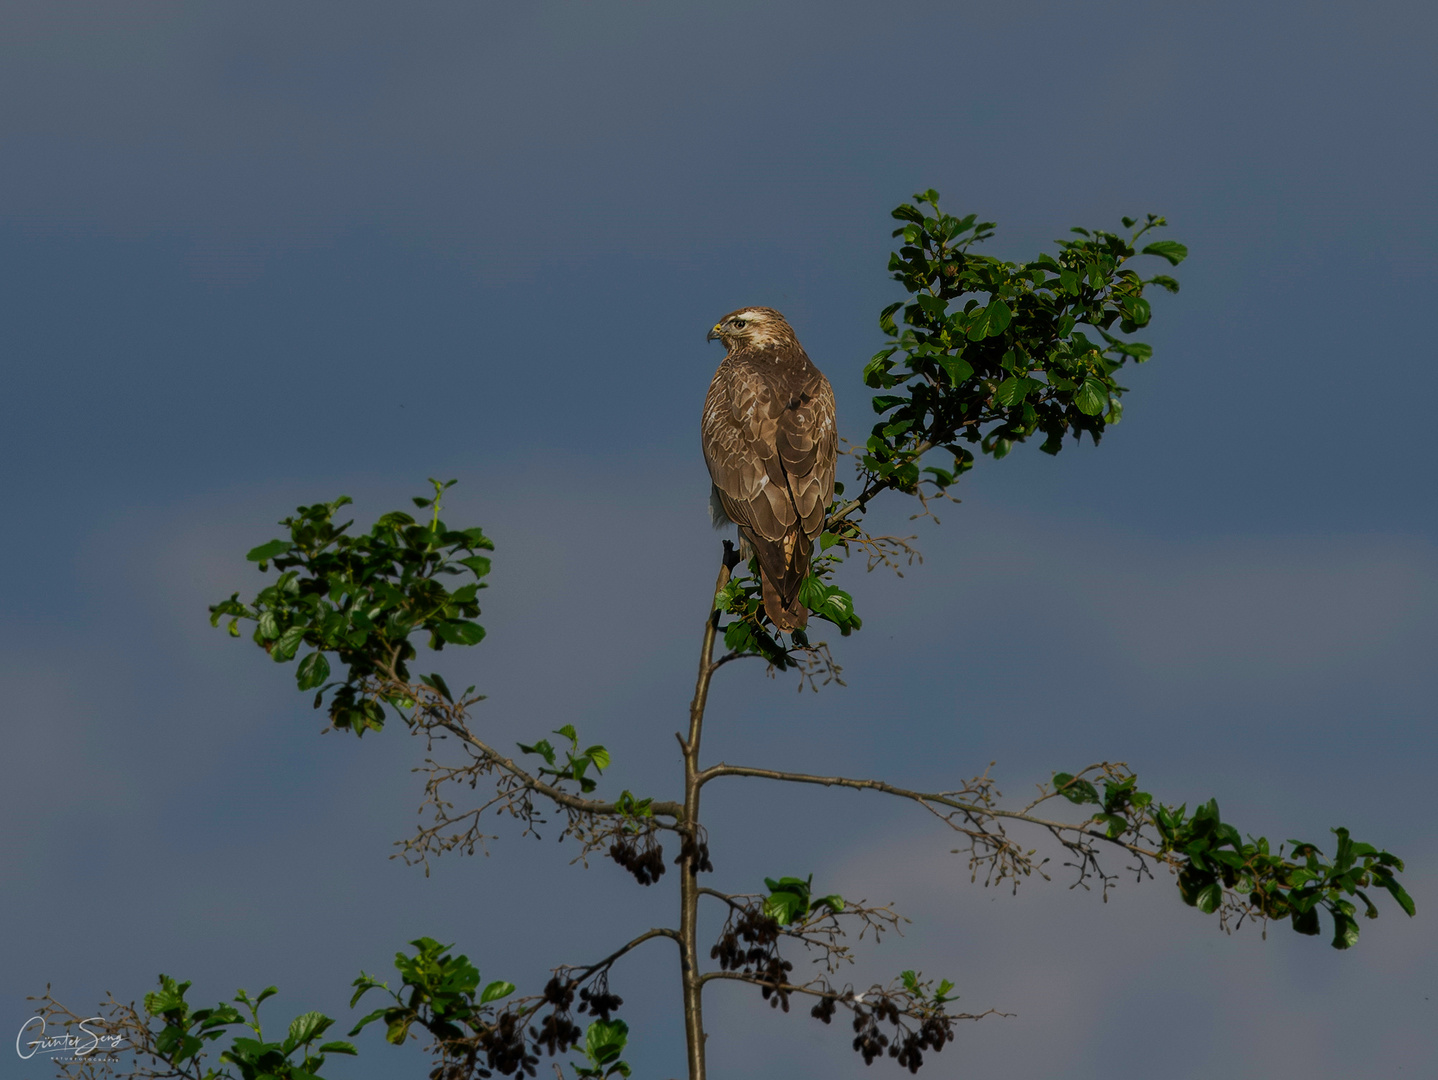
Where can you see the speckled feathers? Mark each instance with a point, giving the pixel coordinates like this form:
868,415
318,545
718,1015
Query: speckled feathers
770,443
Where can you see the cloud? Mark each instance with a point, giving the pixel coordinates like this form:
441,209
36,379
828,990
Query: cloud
1271,608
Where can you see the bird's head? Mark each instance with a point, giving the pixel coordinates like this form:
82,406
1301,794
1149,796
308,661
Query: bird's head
753,327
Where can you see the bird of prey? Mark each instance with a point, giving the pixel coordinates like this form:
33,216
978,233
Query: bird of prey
770,444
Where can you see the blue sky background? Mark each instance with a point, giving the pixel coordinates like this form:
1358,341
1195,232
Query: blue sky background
261,254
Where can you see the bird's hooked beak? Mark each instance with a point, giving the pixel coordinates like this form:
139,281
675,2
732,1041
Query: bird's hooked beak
713,335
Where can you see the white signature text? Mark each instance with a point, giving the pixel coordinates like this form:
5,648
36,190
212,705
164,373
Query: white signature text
87,1042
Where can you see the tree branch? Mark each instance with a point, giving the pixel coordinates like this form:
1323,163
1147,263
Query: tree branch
557,795
818,990
929,800
608,961
726,897
874,486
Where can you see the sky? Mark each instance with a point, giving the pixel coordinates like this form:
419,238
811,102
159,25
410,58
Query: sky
257,255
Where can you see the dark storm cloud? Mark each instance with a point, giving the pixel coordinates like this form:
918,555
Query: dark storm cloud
261,254
640,123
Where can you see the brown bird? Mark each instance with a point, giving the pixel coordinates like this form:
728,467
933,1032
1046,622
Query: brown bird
770,444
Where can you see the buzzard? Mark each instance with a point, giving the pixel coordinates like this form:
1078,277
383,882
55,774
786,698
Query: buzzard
770,444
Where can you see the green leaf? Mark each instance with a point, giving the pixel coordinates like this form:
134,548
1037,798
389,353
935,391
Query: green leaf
313,671
369,1019
738,636
1208,898
307,1027
363,985
999,317
959,370
785,907
1370,912
266,552
1136,349
478,563
436,682
542,748
1078,792
788,899
599,755
1117,826
1014,389
1398,893
169,998
1138,311
991,321
496,990
1171,250
460,633
605,1040
1091,397
1306,922
288,644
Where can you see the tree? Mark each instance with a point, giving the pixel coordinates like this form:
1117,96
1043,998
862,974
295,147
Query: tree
984,355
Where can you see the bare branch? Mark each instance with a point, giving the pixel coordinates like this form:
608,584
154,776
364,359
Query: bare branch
432,712
818,989
972,811
128,1031
579,974
816,666
595,823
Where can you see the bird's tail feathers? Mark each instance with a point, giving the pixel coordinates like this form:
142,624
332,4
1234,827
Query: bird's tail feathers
793,616
783,566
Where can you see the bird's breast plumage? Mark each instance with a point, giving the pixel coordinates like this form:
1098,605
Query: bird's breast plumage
769,439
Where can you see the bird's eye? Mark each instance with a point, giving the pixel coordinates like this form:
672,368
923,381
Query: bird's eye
738,324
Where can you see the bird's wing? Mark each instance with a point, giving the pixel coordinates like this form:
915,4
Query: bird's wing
742,414
808,444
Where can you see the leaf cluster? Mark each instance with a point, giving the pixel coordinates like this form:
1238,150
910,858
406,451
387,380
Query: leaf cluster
444,994
473,1037
748,632
1219,871
576,763
360,598
604,1041
989,353
790,900
185,1033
